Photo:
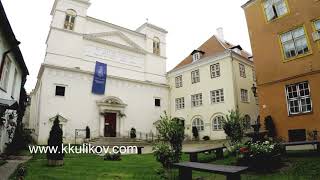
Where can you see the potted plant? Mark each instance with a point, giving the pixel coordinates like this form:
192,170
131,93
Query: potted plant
195,133
133,133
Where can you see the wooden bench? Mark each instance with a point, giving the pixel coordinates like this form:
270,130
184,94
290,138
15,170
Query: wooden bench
193,154
299,143
232,172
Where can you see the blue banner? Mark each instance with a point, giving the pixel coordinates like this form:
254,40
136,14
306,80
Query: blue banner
99,78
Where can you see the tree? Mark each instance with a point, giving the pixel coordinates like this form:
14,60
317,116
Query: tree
168,149
55,141
21,138
233,126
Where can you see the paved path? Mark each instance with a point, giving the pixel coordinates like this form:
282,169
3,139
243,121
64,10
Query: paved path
7,169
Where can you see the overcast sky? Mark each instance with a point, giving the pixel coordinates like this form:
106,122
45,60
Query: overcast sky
189,23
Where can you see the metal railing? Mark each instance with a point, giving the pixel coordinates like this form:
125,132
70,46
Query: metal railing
150,136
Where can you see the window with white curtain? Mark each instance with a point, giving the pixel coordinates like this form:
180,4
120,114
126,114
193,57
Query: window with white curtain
196,100
217,123
179,103
5,73
294,43
217,96
198,123
178,81
299,98
317,26
275,8
195,76
215,70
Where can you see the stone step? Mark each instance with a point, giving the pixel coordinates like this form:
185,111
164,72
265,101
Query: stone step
115,139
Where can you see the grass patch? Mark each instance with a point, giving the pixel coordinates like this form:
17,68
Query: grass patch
143,167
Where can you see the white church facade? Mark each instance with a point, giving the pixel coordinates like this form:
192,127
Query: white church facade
138,88
136,92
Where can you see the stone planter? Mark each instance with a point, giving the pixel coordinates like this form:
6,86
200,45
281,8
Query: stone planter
262,163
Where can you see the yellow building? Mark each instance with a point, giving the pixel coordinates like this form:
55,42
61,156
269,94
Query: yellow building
214,79
285,39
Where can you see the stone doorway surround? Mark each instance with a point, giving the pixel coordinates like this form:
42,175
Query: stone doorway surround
111,104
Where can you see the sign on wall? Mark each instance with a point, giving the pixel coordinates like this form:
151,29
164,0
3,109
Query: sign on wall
99,78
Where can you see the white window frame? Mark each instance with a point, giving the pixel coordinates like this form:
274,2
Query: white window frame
156,46
289,43
242,69
217,122
244,95
217,96
178,81
317,28
215,70
299,98
272,9
196,100
15,76
195,76
247,121
180,103
198,123
155,98
70,19
5,73
196,56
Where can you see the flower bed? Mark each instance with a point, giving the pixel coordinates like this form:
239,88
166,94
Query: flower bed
260,155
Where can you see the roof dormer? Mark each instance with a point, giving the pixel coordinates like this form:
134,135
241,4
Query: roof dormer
196,55
237,49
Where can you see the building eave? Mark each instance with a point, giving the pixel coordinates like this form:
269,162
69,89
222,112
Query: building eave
247,3
153,27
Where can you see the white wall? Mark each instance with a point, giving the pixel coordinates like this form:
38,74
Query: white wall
229,81
13,90
80,108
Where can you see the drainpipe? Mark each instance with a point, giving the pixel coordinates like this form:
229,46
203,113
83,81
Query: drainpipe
235,83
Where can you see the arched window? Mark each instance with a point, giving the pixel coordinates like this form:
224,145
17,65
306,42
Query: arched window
156,46
247,121
70,19
217,123
198,123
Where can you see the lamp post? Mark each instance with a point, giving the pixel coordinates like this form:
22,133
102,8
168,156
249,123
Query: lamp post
254,90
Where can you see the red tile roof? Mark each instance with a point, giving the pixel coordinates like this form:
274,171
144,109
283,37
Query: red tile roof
211,47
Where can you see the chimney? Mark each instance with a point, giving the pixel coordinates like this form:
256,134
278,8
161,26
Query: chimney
220,33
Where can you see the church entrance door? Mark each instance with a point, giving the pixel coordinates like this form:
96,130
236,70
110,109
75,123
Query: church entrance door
110,125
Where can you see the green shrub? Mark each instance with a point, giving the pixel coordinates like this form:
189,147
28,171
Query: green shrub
233,126
169,146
